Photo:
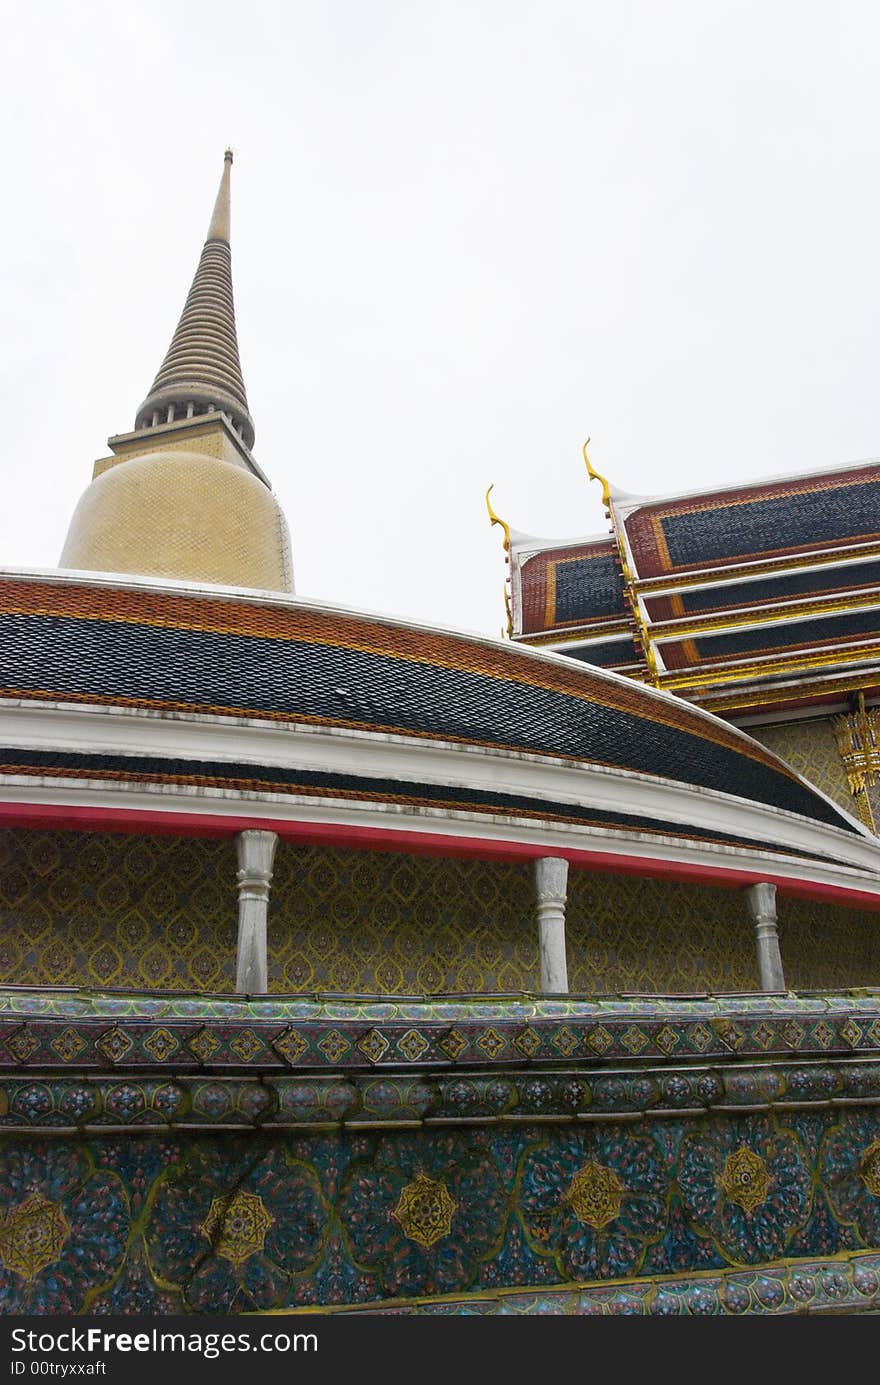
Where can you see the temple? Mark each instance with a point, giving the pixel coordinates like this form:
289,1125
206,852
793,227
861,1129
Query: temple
358,965
756,602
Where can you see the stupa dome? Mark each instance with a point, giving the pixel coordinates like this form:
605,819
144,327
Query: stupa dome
181,514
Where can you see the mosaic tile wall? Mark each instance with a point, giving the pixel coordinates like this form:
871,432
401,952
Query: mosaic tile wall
160,913
810,748
627,934
359,921
824,948
80,908
216,1224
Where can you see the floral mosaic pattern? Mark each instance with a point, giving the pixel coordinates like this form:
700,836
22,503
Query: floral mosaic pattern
596,1194
824,946
811,749
233,1222
222,1223
32,1236
425,1211
594,1201
849,1172
397,1203
745,1179
64,1226
367,922
100,910
236,1225
747,1184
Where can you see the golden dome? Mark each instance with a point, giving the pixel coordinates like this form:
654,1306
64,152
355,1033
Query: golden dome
181,514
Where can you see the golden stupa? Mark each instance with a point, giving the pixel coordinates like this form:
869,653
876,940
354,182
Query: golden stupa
181,496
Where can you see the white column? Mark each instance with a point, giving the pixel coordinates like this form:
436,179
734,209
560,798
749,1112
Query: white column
551,883
256,852
762,907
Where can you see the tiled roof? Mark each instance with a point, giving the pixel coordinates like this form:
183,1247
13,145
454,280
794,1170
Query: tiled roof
565,586
289,661
777,587
754,522
695,579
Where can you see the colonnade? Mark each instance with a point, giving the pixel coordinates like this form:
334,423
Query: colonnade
256,855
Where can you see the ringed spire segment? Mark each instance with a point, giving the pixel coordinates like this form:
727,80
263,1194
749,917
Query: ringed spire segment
201,372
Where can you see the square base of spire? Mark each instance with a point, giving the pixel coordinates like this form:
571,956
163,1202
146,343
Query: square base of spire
211,434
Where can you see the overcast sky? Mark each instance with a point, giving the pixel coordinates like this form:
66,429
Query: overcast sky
464,236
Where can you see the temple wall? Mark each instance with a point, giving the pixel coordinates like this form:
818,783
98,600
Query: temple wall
95,909
629,934
690,1208
84,909
810,748
824,948
362,921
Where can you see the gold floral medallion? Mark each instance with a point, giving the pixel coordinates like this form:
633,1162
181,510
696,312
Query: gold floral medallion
870,1168
425,1210
745,1179
31,1236
236,1225
596,1195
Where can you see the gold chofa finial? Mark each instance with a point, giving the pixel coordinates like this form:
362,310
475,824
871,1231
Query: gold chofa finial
594,476
496,519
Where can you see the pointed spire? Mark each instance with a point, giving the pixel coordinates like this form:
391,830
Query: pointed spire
201,369
219,227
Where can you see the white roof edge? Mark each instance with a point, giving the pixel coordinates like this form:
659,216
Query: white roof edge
530,544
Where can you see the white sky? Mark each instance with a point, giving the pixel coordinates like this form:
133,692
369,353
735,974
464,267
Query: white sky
464,236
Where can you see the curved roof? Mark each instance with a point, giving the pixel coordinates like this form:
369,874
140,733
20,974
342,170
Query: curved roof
256,705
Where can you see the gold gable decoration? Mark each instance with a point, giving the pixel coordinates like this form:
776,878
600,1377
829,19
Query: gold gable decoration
858,740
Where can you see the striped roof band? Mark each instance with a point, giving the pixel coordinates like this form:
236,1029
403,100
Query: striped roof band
283,660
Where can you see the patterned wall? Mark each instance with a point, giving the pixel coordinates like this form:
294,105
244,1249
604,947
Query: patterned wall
160,913
810,748
216,1224
627,934
81,908
360,921
824,947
